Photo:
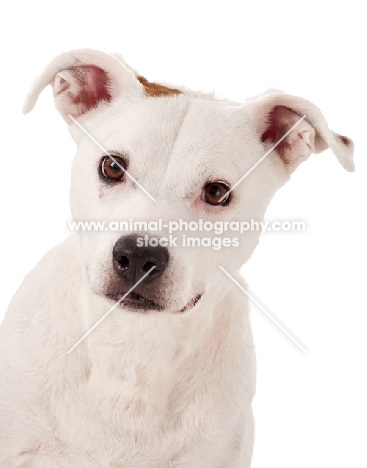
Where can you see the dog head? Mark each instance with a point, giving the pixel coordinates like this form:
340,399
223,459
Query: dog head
146,152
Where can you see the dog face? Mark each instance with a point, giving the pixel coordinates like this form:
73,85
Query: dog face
138,141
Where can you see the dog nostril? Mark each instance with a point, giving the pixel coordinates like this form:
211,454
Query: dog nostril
148,266
123,263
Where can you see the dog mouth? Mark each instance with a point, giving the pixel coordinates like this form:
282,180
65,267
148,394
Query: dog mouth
191,304
136,301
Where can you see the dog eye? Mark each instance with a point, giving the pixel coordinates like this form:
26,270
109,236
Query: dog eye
216,193
112,168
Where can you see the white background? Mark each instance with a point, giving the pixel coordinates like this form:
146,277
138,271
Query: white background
310,409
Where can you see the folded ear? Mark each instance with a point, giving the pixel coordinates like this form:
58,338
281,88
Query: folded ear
83,80
276,113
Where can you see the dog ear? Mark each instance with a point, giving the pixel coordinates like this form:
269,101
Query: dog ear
276,113
82,80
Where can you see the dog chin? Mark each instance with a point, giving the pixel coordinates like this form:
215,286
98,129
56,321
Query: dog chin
137,303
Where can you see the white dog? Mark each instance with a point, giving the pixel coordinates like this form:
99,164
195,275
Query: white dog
167,379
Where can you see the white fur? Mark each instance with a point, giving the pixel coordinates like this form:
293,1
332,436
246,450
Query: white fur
156,390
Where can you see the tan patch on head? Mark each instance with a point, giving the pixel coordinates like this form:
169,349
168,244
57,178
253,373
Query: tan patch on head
345,140
157,90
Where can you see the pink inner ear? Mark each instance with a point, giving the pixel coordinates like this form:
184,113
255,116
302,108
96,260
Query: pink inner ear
92,85
280,120
298,145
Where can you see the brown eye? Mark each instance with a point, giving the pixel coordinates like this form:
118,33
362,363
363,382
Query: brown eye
112,168
216,193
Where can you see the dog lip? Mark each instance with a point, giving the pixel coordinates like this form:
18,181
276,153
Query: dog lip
192,303
135,301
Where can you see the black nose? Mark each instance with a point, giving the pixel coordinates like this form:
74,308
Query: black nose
132,262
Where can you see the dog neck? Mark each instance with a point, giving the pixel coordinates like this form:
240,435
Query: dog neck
140,358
